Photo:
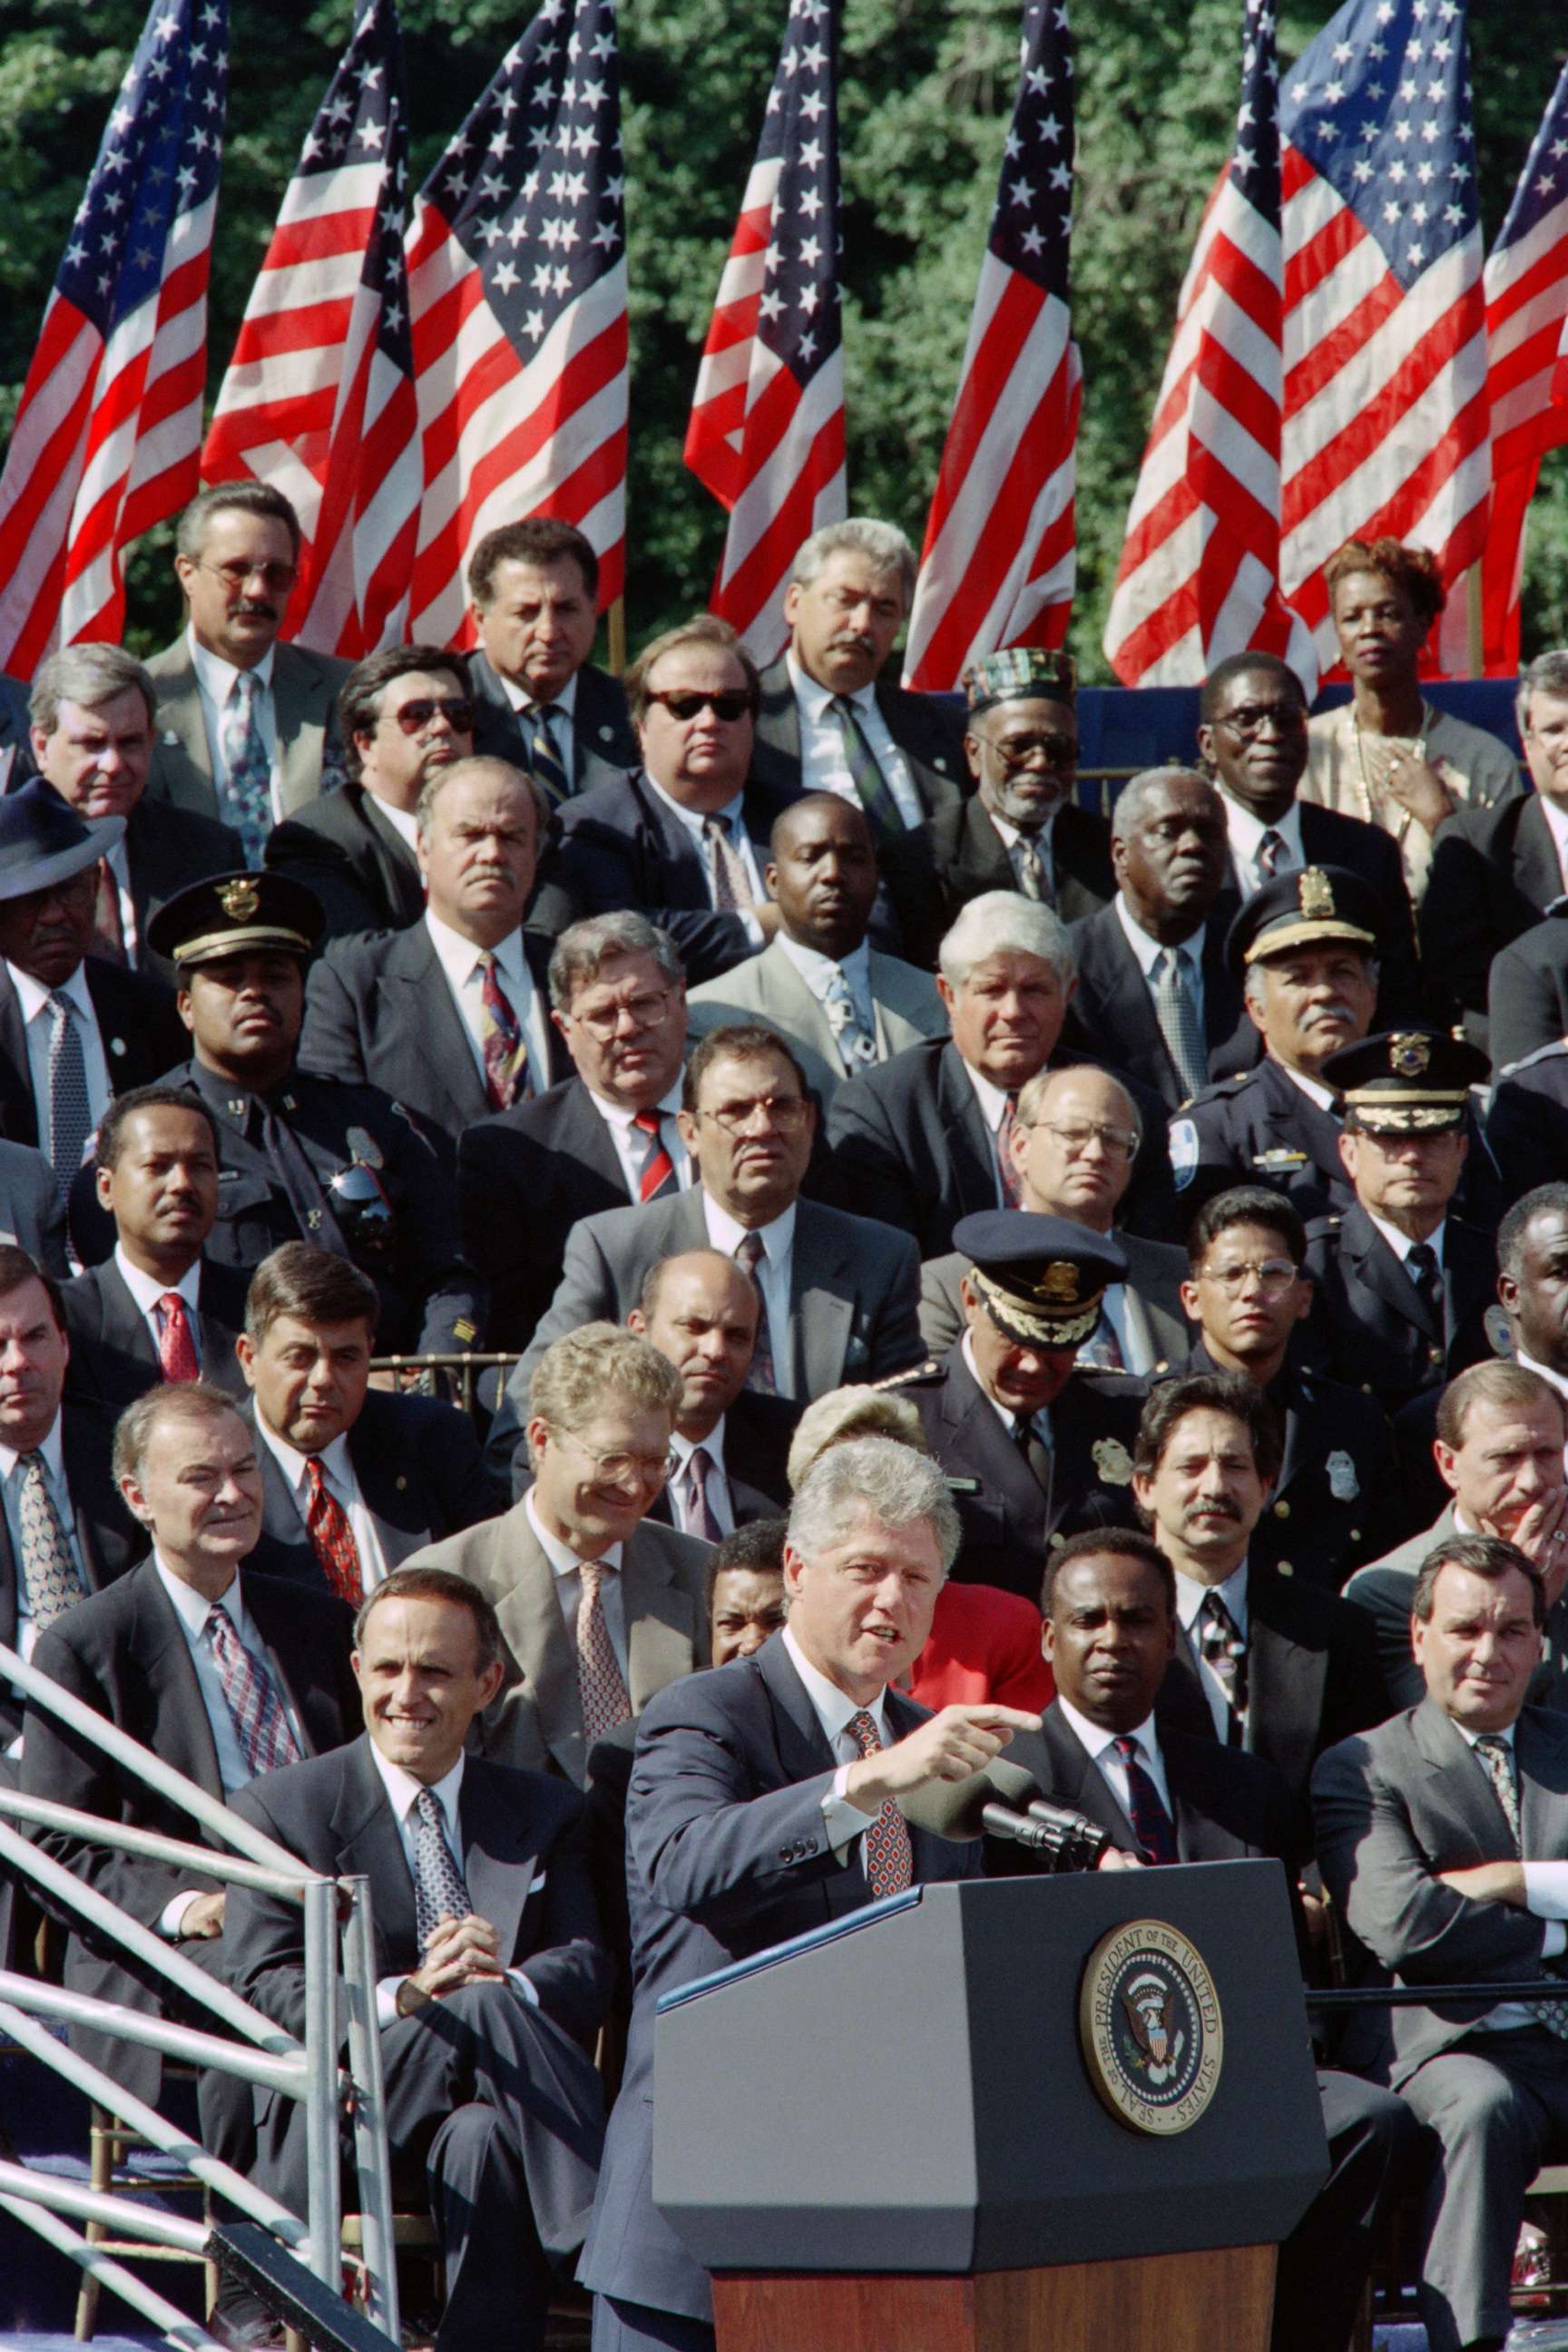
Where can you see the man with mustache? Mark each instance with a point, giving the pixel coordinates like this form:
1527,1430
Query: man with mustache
244,723
1263,1660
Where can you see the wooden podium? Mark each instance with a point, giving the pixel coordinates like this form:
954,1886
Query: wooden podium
897,2137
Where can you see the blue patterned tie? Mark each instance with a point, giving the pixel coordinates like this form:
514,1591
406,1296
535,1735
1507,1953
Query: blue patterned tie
439,1891
857,1046
70,1115
251,1697
249,796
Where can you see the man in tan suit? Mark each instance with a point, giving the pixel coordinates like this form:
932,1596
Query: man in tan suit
841,1004
242,722
601,1607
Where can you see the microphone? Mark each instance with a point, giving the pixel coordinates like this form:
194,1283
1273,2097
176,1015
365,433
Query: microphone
1005,1801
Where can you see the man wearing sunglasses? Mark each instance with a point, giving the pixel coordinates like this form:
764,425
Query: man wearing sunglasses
404,713
684,838
244,724
452,1017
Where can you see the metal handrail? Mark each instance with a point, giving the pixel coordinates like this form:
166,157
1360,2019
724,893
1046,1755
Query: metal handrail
153,1846
268,2071
177,2326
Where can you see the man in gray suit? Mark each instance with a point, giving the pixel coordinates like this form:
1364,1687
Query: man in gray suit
840,1293
1076,1138
600,1606
244,723
1442,1835
840,1003
1498,1451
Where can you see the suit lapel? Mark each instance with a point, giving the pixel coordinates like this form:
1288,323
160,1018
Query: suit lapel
1129,1010
535,1631
415,993
370,1845
298,1667
18,1111
1374,1263
658,1651
1537,870
821,1305
973,1150
160,1652
496,1849
582,1137
982,863
895,1003
1285,1681
980,1438
796,1009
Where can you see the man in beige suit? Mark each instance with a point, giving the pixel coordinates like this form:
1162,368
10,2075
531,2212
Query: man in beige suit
242,722
841,1004
601,1606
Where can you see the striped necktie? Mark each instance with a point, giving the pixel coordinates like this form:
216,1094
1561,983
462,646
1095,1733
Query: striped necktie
543,757
658,1175
251,1697
865,772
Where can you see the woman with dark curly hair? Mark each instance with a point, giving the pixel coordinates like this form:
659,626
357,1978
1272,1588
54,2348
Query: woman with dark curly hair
1389,755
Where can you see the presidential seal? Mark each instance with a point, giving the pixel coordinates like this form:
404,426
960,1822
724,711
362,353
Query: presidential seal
1149,2019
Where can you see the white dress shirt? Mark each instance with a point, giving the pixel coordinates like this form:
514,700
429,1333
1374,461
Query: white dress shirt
567,1570
341,1480
682,1493
773,1276
193,1610
817,972
732,816
460,960
1150,951
1043,841
214,683
834,1710
562,722
631,1143
403,1795
1190,1598
38,1022
1246,834
146,1291
823,766
404,822
1401,1243
1101,1747
1313,1088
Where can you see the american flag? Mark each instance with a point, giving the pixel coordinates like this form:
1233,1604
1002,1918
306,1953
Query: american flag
110,419
767,435
319,396
517,288
1526,282
1386,347
999,558
1199,571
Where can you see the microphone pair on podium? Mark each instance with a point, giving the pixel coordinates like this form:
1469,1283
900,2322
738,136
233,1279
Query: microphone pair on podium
1005,1801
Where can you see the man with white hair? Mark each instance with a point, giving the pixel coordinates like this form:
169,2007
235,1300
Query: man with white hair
763,1804
829,722
929,1135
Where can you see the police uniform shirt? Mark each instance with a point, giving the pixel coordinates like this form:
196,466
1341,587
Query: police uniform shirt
38,1023
835,1710
1101,1747
562,724
403,1795
1042,843
341,1480
1402,1244
567,1570
1313,1088
682,1494
1190,1598
214,683
1245,832
460,960
817,972
146,1291
631,1143
1040,1423
731,816
52,1448
773,1276
1148,952
824,767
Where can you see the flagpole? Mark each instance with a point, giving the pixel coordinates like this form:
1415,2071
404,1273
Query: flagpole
615,622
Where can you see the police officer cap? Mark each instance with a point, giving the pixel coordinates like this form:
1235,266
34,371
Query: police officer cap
1042,1278
230,914
1310,907
1021,674
1406,1081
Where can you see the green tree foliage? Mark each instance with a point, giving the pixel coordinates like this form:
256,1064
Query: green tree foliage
927,86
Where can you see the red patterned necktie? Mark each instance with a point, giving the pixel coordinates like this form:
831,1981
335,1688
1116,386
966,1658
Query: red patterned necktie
176,1341
502,1041
764,1374
108,930
251,1697
1151,1824
658,1169
332,1536
890,1859
1012,1182
599,1682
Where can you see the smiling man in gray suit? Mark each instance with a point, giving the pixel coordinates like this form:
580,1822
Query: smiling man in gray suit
600,1606
840,1294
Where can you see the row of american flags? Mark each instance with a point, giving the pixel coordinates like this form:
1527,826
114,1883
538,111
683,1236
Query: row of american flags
1345,362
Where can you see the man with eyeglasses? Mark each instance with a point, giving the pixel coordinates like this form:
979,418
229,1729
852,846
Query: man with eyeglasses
684,838
245,725
839,1292
1151,971
1077,1137
451,1018
1022,829
600,1605
1335,1501
404,713
1034,1446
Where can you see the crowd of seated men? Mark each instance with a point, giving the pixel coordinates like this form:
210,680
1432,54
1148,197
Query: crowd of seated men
968,1272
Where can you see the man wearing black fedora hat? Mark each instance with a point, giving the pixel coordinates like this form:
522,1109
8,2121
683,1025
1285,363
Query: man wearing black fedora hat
75,1029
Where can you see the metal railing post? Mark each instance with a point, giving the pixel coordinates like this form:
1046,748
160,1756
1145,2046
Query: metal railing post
374,2174
324,2163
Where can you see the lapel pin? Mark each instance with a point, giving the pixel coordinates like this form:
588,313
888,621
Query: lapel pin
117,1044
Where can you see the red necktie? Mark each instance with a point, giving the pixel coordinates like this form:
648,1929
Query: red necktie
332,1538
502,1042
176,1343
658,1169
108,930
889,1858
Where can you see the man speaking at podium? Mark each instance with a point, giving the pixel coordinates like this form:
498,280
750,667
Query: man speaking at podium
763,1803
